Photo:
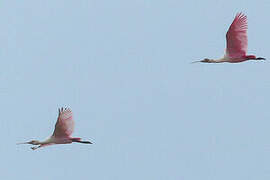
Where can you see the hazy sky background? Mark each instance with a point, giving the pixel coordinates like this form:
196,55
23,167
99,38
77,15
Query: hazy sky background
124,69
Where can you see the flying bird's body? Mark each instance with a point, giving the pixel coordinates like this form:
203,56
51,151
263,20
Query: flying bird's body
237,43
64,128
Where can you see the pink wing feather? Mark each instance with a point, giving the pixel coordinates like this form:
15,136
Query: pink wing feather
64,126
236,36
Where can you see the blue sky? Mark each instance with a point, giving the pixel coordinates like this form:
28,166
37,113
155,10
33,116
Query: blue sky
124,69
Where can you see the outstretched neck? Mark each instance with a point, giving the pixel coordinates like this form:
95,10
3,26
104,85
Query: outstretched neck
214,60
47,141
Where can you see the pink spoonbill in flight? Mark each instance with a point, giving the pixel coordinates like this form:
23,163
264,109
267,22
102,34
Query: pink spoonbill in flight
237,43
64,127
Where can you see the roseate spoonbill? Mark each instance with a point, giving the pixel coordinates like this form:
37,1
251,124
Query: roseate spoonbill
237,43
64,127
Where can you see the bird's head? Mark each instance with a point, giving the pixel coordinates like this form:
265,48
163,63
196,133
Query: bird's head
206,60
33,142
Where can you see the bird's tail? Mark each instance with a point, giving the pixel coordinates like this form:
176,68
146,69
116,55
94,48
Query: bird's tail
78,140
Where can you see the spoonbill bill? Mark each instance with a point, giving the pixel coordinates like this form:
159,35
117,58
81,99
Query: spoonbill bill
237,43
64,127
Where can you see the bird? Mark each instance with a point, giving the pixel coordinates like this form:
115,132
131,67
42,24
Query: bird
64,128
237,42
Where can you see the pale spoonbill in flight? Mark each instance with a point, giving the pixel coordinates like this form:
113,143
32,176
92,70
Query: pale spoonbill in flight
237,43
64,127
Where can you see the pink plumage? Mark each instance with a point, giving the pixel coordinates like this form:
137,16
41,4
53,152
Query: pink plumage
236,37
64,128
237,43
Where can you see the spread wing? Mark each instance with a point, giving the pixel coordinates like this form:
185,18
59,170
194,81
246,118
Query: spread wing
64,126
236,36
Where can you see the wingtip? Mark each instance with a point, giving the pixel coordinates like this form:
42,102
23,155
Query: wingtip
241,15
62,109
